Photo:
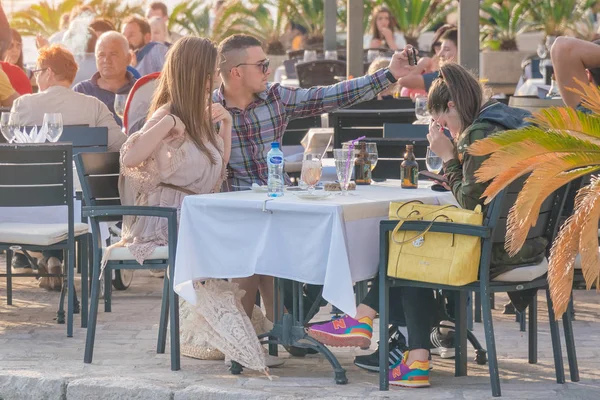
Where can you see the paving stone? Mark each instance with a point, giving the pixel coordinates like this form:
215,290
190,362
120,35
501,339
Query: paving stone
116,389
25,385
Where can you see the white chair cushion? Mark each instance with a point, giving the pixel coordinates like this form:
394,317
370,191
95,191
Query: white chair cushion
123,254
523,274
578,260
37,234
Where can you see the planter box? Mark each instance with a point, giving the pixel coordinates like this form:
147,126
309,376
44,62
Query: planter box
501,67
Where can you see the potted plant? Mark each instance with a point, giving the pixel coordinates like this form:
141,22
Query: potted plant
191,19
43,18
417,16
500,24
311,15
561,145
555,17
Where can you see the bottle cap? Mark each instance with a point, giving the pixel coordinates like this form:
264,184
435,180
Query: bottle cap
275,145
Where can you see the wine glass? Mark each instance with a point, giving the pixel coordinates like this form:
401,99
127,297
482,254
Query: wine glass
310,55
311,171
9,122
331,55
344,165
433,161
373,156
421,110
54,125
120,101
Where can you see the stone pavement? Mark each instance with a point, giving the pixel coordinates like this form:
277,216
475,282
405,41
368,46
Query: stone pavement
38,361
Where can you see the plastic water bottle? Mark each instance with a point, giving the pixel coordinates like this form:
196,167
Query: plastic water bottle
275,163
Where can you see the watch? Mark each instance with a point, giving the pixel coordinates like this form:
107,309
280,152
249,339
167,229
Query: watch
390,76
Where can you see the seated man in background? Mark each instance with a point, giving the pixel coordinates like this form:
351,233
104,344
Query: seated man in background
56,69
159,10
149,56
159,31
112,59
575,59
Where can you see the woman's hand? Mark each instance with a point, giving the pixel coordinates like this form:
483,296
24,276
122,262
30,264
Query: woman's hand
40,41
387,34
439,143
220,114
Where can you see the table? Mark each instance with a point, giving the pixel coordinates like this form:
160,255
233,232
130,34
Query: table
331,242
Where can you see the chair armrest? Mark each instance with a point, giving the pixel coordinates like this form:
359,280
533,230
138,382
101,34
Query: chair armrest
106,211
443,227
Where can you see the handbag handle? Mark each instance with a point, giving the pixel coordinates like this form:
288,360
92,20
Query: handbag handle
395,231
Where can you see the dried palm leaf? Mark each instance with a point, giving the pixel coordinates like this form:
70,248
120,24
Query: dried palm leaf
589,209
590,95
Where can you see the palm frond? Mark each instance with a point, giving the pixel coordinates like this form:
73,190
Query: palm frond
588,206
590,95
579,124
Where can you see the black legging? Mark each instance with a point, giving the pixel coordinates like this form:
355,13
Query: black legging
414,307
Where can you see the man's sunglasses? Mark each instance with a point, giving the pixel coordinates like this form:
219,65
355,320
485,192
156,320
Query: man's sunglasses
37,71
263,64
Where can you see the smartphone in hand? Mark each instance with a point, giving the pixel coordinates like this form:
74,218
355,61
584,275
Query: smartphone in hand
412,57
433,176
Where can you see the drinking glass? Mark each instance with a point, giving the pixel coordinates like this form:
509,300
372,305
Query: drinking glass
331,55
310,55
373,156
54,124
421,110
311,171
9,122
433,162
344,165
120,101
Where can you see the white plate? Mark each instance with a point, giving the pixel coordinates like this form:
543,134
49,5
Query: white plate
314,196
260,189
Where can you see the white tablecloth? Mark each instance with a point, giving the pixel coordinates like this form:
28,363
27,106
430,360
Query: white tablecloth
331,242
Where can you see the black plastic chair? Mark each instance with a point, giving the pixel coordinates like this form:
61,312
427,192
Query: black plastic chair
493,231
99,176
319,72
41,175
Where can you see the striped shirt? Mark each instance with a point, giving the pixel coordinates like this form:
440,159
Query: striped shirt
265,119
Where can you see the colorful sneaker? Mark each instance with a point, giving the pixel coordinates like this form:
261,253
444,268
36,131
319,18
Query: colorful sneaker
344,332
414,376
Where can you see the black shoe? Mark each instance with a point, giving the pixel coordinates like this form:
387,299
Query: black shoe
442,343
397,348
20,261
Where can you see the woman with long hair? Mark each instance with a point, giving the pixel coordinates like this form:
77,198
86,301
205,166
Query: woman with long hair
384,31
178,151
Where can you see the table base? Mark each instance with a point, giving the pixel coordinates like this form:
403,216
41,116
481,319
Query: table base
289,330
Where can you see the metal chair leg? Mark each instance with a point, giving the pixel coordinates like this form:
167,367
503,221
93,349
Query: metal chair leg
107,289
60,314
164,317
570,343
469,308
93,318
533,336
9,256
70,268
460,333
488,327
554,333
84,247
522,320
384,298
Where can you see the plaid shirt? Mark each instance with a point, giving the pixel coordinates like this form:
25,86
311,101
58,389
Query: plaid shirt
265,119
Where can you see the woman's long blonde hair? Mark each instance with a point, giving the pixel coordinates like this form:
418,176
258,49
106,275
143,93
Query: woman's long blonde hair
186,84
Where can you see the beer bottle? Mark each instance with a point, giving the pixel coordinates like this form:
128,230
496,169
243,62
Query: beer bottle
409,170
362,166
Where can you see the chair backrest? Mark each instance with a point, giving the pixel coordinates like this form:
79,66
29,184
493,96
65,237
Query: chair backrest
290,68
138,102
405,131
348,124
36,175
297,128
99,177
319,72
390,153
295,54
548,219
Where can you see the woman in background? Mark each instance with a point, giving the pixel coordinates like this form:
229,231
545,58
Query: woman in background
384,31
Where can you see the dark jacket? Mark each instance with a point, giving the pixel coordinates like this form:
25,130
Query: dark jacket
494,117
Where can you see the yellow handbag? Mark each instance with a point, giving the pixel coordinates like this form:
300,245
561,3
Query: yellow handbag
435,257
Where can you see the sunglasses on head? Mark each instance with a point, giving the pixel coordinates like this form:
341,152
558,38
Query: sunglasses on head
262,64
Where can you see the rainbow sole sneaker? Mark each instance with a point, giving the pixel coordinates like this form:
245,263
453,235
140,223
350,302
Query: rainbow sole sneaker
414,376
344,332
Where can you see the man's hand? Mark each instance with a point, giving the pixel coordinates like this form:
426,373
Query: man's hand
399,66
439,143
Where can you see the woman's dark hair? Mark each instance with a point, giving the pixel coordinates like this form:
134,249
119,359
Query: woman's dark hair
102,25
458,85
450,34
437,36
393,23
17,37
